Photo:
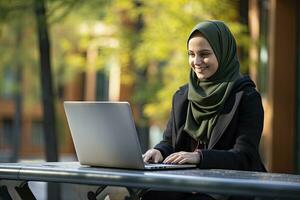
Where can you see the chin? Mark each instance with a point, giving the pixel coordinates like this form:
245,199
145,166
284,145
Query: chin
200,77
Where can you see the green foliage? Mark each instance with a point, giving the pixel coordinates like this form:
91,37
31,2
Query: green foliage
150,48
16,51
156,55
68,44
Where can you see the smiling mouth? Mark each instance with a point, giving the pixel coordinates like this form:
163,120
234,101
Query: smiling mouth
200,69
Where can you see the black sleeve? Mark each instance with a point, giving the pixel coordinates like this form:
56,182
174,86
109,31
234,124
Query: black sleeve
244,153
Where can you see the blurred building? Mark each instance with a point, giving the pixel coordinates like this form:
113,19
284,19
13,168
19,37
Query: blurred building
274,65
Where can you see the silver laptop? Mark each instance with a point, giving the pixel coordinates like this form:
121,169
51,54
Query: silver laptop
104,135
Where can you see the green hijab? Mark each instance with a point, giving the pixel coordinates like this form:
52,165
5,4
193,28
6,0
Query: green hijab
207,97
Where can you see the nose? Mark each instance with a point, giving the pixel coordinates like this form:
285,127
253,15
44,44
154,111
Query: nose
198,60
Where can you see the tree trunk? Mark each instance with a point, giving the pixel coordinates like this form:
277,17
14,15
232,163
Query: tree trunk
47,92
17,97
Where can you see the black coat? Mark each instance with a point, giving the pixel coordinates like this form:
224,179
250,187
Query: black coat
235,138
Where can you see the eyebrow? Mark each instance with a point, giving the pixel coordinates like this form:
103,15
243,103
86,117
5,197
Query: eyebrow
202,50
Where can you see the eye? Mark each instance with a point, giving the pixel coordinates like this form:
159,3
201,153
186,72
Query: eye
205,54
190,53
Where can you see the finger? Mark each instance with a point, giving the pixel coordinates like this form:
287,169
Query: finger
167,160
173,156
156,159
183,161
170,158
178,159
147,157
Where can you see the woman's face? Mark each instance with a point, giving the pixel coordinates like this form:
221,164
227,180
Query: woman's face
202,58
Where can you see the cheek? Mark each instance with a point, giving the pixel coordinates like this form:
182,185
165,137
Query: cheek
212,62
215,64
206,60
214,68
191,62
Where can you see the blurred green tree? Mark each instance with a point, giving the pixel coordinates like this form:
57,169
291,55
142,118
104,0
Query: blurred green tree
19,47
153,57
151,46
14,57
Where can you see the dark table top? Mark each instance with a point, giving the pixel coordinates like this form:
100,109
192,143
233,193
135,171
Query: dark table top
190,180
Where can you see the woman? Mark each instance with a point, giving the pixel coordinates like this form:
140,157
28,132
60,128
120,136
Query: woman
217,118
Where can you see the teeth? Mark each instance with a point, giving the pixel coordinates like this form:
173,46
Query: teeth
200,68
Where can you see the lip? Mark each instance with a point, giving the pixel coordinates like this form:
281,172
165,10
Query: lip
200,69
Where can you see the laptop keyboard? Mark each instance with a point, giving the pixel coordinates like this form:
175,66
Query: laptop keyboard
167,166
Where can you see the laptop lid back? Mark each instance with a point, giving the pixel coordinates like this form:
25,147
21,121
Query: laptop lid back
104,134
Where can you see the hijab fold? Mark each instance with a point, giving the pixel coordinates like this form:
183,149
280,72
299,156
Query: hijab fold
207,97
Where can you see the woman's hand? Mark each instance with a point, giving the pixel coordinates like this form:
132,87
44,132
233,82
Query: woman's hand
183,157
152,156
